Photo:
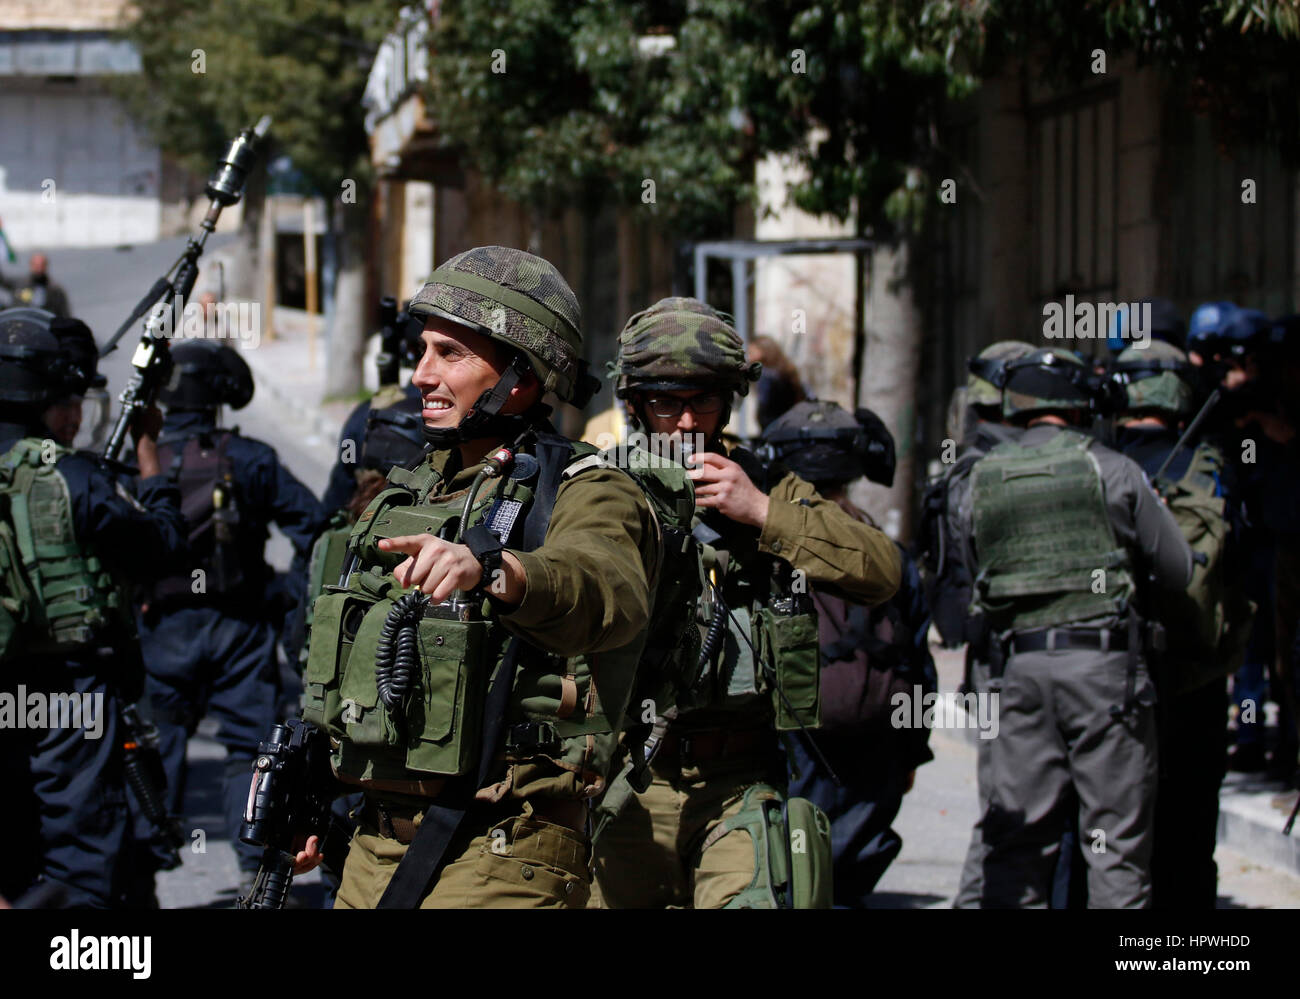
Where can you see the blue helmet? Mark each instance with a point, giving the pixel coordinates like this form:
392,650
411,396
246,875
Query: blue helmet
1244,330
1161,319
1207,324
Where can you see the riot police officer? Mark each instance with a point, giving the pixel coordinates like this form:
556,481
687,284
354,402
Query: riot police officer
686,840
1063,532
864,766
69,631
86,385
208,630
475,793
949,577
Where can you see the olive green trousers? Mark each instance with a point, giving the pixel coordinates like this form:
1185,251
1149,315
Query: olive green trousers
521,862
650,856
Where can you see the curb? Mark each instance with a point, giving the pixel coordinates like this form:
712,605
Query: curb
312,414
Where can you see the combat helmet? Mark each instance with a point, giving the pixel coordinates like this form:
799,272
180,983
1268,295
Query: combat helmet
78,345
519,300
207,374
824,444
985,371
681,343
1206,326
1047,380
34,370
1157,377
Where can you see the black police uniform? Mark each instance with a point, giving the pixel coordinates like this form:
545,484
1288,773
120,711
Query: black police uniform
215,651
68,800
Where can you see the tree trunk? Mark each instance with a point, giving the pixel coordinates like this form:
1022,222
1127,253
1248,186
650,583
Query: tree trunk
346,343
889,377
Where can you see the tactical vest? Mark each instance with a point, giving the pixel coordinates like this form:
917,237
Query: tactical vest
203,472
324,566
557,709
1046,549
764,664
58,597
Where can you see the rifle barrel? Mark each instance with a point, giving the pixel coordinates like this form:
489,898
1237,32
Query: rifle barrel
1187,434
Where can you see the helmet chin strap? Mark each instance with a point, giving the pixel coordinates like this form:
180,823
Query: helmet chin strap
485,418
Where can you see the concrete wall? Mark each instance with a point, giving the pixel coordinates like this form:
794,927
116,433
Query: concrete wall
805,303
68,15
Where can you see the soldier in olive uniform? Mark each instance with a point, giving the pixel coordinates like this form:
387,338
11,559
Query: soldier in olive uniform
679,366
548,595
1159,393
1061,531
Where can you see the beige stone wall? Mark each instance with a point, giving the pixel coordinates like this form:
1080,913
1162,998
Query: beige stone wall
65,15
805,303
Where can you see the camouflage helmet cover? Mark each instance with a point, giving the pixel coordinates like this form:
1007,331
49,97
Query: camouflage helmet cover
681,343
979,390
516,298
1167,390
1046,380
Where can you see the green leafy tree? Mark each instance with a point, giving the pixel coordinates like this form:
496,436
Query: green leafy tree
210,69
558,102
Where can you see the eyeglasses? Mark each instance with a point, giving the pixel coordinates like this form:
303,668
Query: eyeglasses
669,407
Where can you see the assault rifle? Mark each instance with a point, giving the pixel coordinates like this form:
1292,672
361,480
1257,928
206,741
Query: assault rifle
163,302
144,773
292,790
1186,437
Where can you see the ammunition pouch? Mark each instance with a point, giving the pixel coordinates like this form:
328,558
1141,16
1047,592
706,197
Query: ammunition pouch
792,851
437,721
55,596
790,642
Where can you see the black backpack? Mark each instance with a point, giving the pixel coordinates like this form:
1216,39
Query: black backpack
204,473
948,580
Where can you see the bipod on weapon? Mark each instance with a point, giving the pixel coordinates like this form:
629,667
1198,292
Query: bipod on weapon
152,358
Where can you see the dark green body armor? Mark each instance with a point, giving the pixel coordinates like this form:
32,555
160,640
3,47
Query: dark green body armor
57,596
461,648
1047,552
767,667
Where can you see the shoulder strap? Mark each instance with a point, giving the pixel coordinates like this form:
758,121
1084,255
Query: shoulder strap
553,453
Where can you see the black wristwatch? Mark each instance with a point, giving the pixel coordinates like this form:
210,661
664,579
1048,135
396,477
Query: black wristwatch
487,548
